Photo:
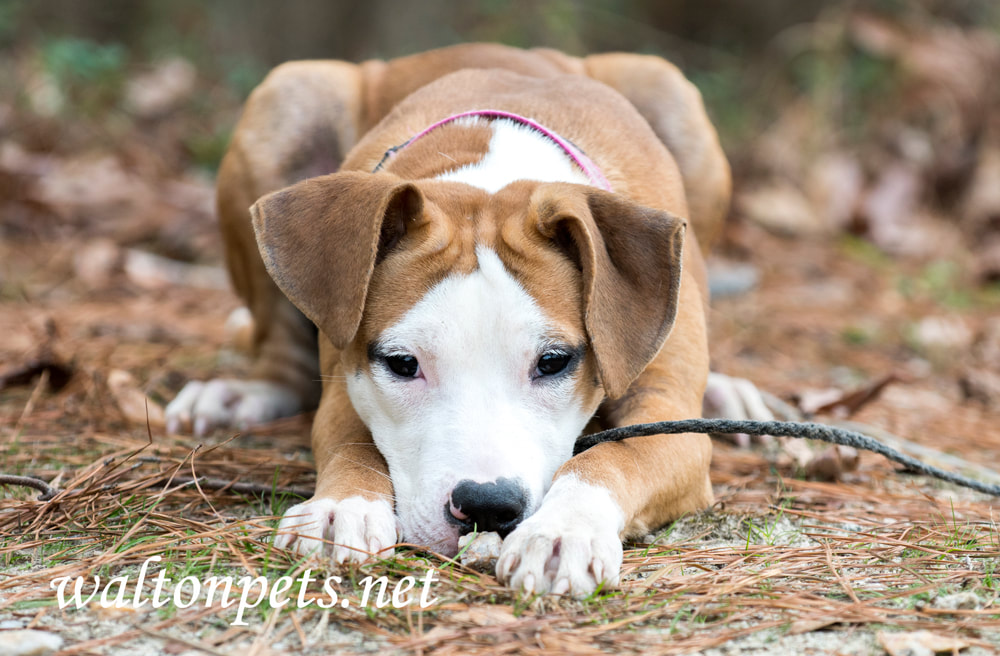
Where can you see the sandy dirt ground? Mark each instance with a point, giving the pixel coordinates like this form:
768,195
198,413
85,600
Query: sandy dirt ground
780,564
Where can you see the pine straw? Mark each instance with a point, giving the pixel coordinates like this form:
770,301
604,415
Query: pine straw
874,552
775,556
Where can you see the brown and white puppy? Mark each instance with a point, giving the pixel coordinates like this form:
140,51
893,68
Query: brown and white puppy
486,287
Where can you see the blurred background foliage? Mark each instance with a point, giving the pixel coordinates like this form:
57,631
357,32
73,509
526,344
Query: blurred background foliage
872,118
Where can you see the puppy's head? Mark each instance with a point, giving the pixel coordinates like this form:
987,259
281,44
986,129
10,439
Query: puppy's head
478,332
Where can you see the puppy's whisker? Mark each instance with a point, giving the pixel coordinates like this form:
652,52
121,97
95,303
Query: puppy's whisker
367,467
380,495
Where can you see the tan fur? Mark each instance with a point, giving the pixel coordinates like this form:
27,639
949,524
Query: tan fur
626,277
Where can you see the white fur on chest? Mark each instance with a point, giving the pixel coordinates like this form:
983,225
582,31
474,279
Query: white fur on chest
516,152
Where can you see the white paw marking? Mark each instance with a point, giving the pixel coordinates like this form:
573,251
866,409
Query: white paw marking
229,403
727,397
570,546
351,530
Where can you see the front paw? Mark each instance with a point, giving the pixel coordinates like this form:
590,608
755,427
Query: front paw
226,402
571,545
349,530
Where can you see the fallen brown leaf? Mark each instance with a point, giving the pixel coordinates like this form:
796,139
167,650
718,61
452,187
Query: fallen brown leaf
59,373
835,184
988,260
485,615
831,463
854,401
161,90
781,209
981,385
888,209
808,626
151,271
919,643
981,205
828,464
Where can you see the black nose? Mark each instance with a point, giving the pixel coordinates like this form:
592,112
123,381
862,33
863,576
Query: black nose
497,506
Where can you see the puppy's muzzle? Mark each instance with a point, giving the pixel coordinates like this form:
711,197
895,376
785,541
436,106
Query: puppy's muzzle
498,506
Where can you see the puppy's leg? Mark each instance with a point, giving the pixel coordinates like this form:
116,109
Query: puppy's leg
297,124
351,515
674,109
622,489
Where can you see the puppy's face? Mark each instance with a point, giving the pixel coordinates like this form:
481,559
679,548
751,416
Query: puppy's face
475,396
472,365
478,331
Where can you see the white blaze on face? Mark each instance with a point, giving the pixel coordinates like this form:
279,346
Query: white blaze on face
478,408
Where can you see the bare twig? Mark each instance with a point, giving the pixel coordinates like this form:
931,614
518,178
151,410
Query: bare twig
47,491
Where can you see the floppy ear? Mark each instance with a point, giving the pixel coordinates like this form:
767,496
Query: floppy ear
630,257
321,238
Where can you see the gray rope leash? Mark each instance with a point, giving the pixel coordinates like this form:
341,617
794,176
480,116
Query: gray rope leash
806,430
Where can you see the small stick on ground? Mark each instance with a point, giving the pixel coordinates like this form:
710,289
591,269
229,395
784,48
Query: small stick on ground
47,491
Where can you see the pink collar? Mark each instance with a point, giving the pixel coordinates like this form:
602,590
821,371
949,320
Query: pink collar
579,158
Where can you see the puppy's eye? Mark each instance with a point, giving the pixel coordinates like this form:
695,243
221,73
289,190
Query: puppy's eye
552,363
404,366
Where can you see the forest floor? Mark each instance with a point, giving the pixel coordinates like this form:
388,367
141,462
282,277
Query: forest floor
865,154
879,560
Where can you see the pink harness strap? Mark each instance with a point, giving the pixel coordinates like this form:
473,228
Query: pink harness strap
579,158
